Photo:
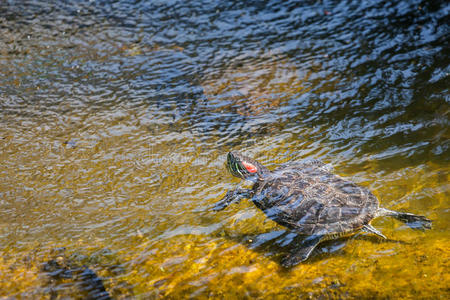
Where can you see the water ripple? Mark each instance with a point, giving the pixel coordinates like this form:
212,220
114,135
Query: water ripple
116,117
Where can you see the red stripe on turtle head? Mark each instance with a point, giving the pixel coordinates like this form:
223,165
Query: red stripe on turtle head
251,168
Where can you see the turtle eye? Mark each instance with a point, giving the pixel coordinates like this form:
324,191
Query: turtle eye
251,168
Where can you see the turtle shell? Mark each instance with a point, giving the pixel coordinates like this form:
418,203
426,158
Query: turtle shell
306,198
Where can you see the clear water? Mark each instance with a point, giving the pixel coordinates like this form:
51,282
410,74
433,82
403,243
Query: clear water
116,117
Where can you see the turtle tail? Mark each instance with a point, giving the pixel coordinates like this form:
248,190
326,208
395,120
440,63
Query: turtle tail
413,221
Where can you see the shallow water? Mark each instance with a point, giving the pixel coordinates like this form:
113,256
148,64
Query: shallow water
116,117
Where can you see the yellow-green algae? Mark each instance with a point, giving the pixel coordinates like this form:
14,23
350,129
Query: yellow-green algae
221,263
111,181
189,266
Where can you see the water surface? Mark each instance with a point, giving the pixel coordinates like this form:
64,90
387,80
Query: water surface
116,117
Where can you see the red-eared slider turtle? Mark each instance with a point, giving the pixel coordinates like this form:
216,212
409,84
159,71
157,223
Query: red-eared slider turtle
306,198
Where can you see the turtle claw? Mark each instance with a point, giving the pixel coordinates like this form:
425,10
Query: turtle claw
224,202
292,260
303,252
229,198
219,206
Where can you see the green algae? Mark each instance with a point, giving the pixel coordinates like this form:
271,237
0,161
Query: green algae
166,243
126,190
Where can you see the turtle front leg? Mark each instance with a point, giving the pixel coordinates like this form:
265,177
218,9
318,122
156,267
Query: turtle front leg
234,196
303,252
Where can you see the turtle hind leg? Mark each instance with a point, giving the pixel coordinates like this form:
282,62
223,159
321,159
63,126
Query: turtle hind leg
303,252
413,221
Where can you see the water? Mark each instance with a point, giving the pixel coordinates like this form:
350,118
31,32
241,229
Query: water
116,117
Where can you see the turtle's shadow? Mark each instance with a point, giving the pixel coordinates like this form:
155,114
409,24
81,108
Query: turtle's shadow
277,244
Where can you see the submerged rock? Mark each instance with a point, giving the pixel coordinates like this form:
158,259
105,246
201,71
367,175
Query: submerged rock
83,280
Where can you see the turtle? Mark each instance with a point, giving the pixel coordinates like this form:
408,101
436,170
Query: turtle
307,198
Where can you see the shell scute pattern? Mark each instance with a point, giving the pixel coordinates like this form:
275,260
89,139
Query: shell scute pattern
312,201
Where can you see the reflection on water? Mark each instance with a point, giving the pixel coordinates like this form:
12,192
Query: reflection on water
116,117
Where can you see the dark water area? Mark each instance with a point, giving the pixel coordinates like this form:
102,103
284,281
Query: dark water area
116,118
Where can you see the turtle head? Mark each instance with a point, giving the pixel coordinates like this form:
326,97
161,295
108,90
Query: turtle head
244,167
